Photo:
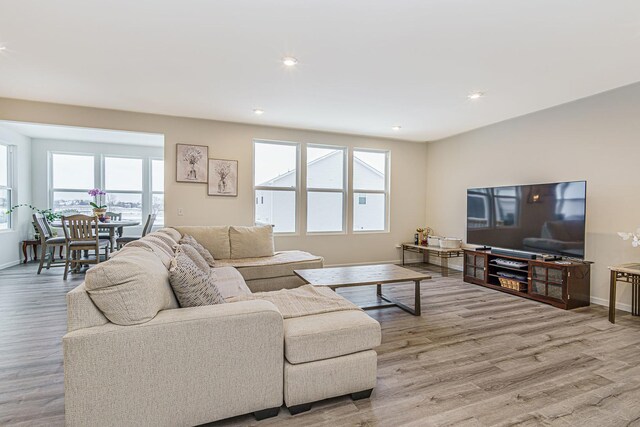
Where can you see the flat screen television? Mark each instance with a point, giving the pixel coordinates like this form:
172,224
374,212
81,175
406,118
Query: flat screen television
538,218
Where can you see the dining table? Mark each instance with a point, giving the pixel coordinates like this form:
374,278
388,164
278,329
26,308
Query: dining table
112,227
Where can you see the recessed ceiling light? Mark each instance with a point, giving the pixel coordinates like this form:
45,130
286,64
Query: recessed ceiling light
2,48
258,111
289,61
396,127
475,95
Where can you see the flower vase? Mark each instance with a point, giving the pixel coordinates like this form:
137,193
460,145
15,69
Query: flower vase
99,212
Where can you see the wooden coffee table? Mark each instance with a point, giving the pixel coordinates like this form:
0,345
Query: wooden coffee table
365,275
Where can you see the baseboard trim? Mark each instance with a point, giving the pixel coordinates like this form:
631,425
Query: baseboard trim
9,264
605,302
352,264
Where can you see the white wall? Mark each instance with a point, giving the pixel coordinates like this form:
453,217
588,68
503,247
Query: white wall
595,139
39,162
235,141
11,240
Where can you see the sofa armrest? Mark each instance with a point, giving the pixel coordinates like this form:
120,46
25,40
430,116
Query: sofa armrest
186,366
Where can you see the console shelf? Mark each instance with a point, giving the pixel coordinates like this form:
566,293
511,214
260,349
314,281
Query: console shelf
565,286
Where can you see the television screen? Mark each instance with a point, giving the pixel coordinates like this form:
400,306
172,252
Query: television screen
540,218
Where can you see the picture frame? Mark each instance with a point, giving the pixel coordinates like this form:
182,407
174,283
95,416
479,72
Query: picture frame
191,163
223,177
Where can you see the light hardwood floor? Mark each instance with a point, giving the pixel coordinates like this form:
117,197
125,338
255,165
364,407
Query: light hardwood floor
475,357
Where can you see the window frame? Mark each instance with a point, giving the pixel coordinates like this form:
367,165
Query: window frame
10,184
386,191
99,179
295,190
153,192
344,190
51,189
146,183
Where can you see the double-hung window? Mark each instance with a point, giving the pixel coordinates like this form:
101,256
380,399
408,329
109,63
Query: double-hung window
276,184
370,190
5,186
123,184
72,175
326,188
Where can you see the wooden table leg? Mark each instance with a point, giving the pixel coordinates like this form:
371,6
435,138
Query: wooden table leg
612,297
24,252
34,248
635,300
444,265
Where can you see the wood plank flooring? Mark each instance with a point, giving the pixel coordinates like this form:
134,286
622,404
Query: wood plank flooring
476,357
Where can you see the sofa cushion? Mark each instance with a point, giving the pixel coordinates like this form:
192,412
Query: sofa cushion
157,249
167,241
204,253
192,286
214,238
131,287
251,242
171,232
327,335
230,282
279,265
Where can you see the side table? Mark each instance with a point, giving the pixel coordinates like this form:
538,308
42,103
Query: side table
33,244
625,273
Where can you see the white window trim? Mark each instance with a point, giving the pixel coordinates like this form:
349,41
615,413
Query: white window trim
344,190
295,189
386,191
152,193
51,189
10,187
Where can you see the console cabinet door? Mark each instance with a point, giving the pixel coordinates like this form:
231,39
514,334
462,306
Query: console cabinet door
475,267
548,282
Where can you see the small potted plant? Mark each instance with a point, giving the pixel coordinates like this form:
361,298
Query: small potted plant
99,208
634,237
49,215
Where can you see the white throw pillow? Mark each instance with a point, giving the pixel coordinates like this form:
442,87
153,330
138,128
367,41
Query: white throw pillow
251,242
204,253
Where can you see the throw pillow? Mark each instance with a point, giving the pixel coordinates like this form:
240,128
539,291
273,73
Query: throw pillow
192,286
162,237
171,232
191,241
131,287
195,256
251,242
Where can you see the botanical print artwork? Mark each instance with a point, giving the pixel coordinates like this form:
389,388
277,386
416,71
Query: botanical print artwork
223,177
191,163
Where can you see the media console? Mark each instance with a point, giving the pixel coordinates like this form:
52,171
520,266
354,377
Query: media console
565,285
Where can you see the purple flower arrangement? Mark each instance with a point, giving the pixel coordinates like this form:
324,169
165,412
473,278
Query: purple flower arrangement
98,198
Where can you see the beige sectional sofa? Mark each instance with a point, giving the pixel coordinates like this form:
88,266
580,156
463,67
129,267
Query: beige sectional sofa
189,366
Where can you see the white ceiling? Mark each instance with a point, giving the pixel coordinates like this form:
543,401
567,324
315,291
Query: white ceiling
364,65
72,133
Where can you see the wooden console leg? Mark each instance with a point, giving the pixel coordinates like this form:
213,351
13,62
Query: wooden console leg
297,409
266,413
365,394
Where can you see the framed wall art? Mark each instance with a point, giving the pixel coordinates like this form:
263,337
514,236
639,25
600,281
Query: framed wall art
191,163
223,177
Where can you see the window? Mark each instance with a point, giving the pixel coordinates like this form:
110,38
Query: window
157,190
275,175
5,187
72,175
134,186
326,189
123,184
370,190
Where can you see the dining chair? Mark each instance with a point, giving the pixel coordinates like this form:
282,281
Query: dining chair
48,243
81,234
123,240
105,232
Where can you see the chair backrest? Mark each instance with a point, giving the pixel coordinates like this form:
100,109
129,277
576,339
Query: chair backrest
80,228
115,216
42,225
149,224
